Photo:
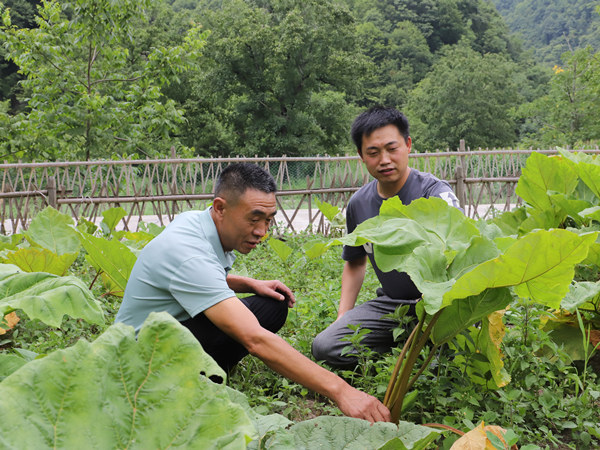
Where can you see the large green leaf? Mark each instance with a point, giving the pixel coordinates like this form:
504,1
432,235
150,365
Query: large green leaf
542,174
347,433
570,206
542,219
53,230
402,229
510,221
449,224
588,169
540,266
41,260
10,363
579,294
111,218
48,297
461,314
280,248
399,236
119,392
114,258
264,425
328,210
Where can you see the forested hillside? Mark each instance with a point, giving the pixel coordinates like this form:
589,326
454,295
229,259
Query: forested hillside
276,77
552,27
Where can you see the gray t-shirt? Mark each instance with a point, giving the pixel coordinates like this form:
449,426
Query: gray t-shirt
182,271
365,203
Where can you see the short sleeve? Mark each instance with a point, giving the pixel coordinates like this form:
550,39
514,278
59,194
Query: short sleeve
200,283
350,253
445,192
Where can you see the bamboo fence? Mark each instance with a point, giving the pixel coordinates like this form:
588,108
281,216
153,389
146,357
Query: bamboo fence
156,190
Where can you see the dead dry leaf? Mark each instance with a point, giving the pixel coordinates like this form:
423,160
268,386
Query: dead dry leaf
476,439
11,319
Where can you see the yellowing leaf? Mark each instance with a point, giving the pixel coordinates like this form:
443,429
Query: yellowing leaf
11,320
41,260
477,439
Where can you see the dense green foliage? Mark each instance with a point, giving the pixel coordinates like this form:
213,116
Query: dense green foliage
265,77
528,367
551,28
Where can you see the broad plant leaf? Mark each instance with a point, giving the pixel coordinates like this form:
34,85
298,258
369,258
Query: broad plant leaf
41,260
570,207
315,249
111,218
542,174
280,248
460,314
587,167
489,341
48,298
579,294
449,224
348,433
10,242
53,230
263,424
139,238
119,392
328,210
114,258
540,266
9,364
543,219
591,213
384,232
510,221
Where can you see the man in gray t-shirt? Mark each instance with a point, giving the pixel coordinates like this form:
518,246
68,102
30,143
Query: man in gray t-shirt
383,142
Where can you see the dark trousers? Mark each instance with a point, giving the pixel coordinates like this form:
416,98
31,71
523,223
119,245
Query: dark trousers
226,351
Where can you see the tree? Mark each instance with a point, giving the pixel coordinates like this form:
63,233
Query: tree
23,14
278,78
400,58
567,115
465,96
90,90
553,27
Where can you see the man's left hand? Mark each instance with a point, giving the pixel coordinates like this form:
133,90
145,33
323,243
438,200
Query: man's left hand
275,289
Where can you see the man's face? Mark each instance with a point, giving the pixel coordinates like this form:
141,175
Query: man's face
246,221
385,154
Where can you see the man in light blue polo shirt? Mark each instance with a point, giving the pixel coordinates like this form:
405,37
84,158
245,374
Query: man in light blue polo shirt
184,271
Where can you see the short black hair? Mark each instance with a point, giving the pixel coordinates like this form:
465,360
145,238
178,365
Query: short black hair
237,178
375,118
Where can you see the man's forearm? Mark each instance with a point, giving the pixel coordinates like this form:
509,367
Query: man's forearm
241,284
284,359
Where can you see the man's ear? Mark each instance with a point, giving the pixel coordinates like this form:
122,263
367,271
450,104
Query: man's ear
409,143
219,205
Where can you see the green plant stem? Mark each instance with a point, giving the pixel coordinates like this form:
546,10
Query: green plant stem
401,387
422,368
394,384
399,361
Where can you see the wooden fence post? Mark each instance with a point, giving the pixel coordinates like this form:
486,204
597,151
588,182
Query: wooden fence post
460,175
52,192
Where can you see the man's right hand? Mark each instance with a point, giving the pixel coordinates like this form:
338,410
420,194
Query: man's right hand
355,403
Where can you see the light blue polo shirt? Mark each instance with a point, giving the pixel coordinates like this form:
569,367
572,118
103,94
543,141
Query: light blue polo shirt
182,271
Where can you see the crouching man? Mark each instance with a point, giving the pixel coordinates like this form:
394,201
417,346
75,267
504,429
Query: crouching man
184,271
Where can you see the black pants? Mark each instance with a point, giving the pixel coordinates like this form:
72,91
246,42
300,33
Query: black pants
226,351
